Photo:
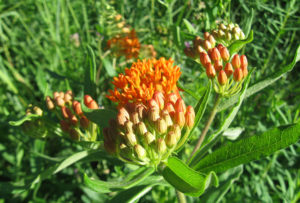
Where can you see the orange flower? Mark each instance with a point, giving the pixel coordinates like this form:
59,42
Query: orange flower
127,45
143,79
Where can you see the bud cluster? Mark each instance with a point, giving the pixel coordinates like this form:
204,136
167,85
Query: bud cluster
147,134
70,113
227,34
36,126
229,74
200,45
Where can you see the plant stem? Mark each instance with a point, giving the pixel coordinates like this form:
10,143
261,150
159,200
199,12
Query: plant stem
207,125
180,197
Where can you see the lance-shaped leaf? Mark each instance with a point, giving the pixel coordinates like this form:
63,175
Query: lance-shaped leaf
262,84
90,73
248,149
237,45
187,180
131,180
28,117
225,124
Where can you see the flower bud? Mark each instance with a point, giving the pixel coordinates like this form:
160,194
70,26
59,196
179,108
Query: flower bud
149,138
93,105
177,130
228,69
73,120
207,45
170,108
130,139
140,151
172,97
197,41
66,113
236,62
161,126
218,65
225,54
62,94
118,17
140,109
171,139
180,105
204,59
135,117
199,49
161,146
190,116
128,127
228,36
220,47
124,113
210,71
87,99
68,98
222,78
153,114
74,134
141,128
38,111
245,71
168,119
221,34
244,61
49,103
153,104
55,94
238,74
206,35
212,40
59,101
222,26
159,98
84,122
179,118
215,54
65,126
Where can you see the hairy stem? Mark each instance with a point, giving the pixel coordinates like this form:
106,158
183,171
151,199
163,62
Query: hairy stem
180,197
207,125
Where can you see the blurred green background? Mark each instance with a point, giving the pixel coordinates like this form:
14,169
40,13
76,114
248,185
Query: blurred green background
43,48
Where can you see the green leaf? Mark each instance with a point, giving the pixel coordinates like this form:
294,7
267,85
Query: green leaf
28,117
199,109
90,73
249,149
263,84
215,195
131,195
99,116
187,91
107,186
247,27
109,67
187,180
189,26
237,45
41,80
225,124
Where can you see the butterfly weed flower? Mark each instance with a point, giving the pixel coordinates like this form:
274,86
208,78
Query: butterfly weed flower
152,119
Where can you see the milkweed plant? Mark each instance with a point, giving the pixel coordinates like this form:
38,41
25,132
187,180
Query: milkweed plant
146,122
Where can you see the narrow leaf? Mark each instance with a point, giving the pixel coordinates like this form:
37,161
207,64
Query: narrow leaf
237,45
249,149
263,84
107,186
90,73
109,67
187,91
99,116
131,195
225,124
187,180
215,195
28,117
189,26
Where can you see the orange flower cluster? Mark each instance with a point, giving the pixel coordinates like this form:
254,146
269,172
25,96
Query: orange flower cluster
127,45
143,79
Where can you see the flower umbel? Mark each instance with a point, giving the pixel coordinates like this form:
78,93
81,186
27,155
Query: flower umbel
143,79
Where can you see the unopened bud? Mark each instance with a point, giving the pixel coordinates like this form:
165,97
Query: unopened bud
245,71
140,151
221,34
171,139
141,128
199,49
159,98
228,36
210,71
172,97
222,78
59,101
222,26
153,114
130,139
219,47
62,94
215,54
218,65
65,126
140,109
180,105
204,59
236,62
224,54
244,61
190,116
118,17
66,113
177,130
168,119
128,127
238,74
179,118
125,30
207,45
135,117
161,126
49,103
212,40
228,69
121,119
153,104
93,105
206,35
161,146
68,98
73,120
87,99
197,41
38,111
149,138
77,108
55,94
74,134
84,122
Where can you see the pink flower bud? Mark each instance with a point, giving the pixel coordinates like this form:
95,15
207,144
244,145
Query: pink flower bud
206,35
172,97
153,104
59,101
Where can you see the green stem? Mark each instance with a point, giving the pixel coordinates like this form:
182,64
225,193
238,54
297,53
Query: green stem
207,125
180,197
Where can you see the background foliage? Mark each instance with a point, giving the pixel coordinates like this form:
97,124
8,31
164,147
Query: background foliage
37,57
